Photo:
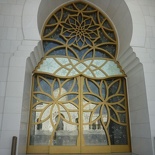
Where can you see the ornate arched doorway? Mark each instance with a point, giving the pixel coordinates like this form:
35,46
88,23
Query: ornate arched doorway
79,100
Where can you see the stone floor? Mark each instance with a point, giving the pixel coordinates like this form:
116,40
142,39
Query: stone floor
91,154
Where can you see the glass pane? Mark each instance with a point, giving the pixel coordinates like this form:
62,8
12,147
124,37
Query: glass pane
94,133
40,135
41,131
66,137
95,137
118,134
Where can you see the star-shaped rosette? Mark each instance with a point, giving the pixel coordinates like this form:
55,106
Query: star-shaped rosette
80,31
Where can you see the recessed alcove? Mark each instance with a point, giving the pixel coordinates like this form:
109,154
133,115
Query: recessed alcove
120,16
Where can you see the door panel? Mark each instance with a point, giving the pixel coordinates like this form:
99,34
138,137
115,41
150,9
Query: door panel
93,133
104,116
54,115
94,115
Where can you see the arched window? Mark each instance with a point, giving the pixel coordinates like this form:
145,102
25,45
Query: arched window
79,78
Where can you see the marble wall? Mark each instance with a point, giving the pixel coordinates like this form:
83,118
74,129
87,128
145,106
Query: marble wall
20,51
